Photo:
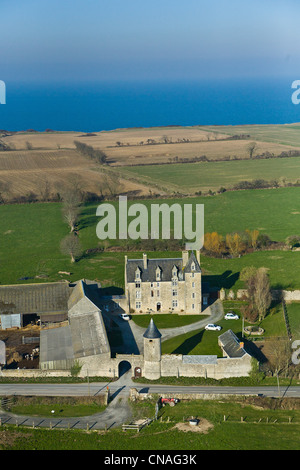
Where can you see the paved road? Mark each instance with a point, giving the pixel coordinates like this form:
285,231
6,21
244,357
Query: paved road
117,387
118,410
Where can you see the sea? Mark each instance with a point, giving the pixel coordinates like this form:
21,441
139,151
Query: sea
96,106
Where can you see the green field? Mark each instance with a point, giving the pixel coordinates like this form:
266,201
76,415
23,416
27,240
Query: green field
286,134
263,428
190,178
275,212
30,237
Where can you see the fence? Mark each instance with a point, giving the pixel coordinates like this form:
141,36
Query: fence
286,319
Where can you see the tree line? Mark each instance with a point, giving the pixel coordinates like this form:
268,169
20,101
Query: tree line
88,151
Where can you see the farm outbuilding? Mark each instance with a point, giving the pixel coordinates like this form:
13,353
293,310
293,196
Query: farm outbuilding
22,303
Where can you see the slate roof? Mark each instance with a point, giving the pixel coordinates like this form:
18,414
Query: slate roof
231,345
152,332
165,264
34,298
191,359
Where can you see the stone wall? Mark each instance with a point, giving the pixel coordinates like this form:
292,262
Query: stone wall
173,366
287,295
35,373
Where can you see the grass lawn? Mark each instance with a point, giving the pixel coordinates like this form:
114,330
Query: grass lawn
206,342
201,341
167,320
272,433
60,410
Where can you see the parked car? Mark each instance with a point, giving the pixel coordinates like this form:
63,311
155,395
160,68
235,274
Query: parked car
231,316
213,327
124,316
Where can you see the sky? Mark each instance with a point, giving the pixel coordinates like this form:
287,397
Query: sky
78,40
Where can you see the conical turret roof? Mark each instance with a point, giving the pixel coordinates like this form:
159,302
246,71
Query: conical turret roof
152,332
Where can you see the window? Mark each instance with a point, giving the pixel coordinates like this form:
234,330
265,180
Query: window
193,284
138,294
174,282
174,292
157,284
174,303
152,293
137,285
193,306
138,304
193,295
158,293
137,273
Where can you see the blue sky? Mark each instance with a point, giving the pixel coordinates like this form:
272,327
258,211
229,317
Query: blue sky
138,39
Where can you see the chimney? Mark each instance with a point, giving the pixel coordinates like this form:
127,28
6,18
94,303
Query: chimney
145,263
198,256
185,257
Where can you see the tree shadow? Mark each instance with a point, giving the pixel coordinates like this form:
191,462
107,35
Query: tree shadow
226,280
254,350
111,290
189,344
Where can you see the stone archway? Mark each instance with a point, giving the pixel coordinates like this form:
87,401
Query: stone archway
124,366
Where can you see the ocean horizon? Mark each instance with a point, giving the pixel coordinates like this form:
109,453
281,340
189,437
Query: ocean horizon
100,106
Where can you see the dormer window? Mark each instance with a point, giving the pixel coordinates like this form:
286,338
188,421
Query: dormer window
137,274
174,272
158,273
193,266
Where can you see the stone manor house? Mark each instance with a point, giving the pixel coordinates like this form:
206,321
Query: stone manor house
169,285
87,323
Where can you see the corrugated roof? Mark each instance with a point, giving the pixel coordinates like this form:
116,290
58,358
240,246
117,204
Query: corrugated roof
34,298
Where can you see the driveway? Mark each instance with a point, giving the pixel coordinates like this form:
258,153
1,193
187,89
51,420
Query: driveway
214,311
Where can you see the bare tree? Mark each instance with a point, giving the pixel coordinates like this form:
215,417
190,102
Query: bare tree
70,245
4,191
71,214
112,185
281,356
262,294
45,189
72,200
251,147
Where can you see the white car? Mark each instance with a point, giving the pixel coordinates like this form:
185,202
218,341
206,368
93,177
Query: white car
124,316
213,327
231,316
